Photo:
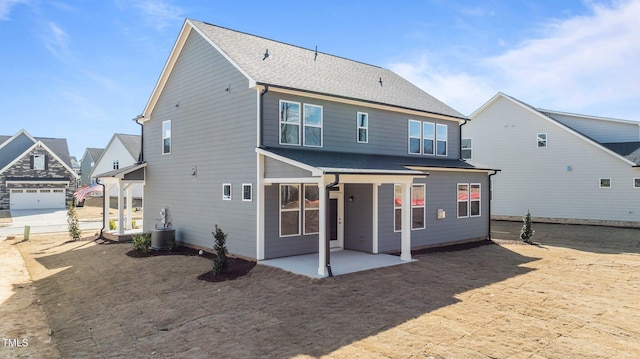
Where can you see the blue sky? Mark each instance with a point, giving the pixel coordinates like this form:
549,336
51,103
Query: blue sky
82,70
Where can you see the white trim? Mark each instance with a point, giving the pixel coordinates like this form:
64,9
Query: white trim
63,183
170,137
314,171
405,237
338,196
22,131
250,199
358,127
447,169
374,204
304,125
224,196
322,223
590,117
35,145
302,180
280,123
361,103
260,206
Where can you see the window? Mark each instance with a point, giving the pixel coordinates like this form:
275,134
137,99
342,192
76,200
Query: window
466,147
441,140
414,137
289,123
542,139
58,190
417,206
428,137
362,123
39,162
166,137
312,125
311,209
31,191
463,200
605,182
247,192
636,183
289,210
469,199
116,164
16,191
397,208
45,191
226,191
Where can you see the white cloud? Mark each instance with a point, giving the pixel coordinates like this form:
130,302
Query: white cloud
5,8
56,41
159,13
580,64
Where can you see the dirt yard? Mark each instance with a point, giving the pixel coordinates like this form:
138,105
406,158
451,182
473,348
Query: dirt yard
573,296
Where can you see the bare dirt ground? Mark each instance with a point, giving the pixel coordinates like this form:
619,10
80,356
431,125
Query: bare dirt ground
573,296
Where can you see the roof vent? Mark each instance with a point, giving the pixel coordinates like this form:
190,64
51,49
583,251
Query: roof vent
266,55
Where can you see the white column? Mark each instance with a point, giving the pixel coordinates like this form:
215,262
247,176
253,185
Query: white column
374,204
120,206
129,190
260,208
105,208
405,249
323,195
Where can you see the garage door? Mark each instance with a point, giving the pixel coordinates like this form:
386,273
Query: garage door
33,198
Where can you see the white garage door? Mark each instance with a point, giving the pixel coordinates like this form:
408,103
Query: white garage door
33,198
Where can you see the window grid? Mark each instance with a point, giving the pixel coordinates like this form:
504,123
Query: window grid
418,195
441,140
226,191
289,210
312,125
415,137
311,209
289,123
247,192
466,148
166,137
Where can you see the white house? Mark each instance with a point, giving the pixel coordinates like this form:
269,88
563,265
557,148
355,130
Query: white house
121,151
564,167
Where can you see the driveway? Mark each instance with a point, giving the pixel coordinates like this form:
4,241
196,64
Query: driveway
41,221
573,296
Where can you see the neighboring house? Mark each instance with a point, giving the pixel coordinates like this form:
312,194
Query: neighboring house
287,149
565,167
75,164
121,151
35,172
88,161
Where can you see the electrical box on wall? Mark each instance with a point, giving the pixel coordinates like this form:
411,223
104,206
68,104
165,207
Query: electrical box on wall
441,214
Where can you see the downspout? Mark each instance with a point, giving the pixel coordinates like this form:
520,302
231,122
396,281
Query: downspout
491,199
103,211
140,155
460,139
261,122
327,240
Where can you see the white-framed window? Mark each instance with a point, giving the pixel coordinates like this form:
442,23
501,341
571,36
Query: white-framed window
466,148
226,191
289,123
17,191
39,162
605,182
418,206
312,125
116,164
311,209
415,136
247,192
428,138
45,191
441,140
397,208
362,125
289,210
31,191
58,190
542,139
636,183
469,200
166,137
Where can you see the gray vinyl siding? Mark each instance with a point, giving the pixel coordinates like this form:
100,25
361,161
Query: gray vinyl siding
601,130
276,246
560,181
213,131
388,131
277,169
358,217
441,193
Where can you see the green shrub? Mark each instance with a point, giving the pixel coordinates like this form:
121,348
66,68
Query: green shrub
112,225
527,232
142,242
72,220
220,263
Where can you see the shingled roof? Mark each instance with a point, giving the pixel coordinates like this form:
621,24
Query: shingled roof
293,67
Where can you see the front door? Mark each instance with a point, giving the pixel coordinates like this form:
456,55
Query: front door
336,219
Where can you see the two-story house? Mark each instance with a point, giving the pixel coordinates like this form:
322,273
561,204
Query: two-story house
88,161
293,151
564,167
35,172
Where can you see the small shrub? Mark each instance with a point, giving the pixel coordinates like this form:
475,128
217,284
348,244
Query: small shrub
172,243
112,225
220,263
142,242
134,225
72,220
527,232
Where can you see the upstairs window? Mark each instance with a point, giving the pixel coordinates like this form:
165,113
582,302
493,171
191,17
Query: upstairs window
441,140
116,164
362,123
289,123
166,137
414,137
39,162
312,125
428,137
542,139
466,148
